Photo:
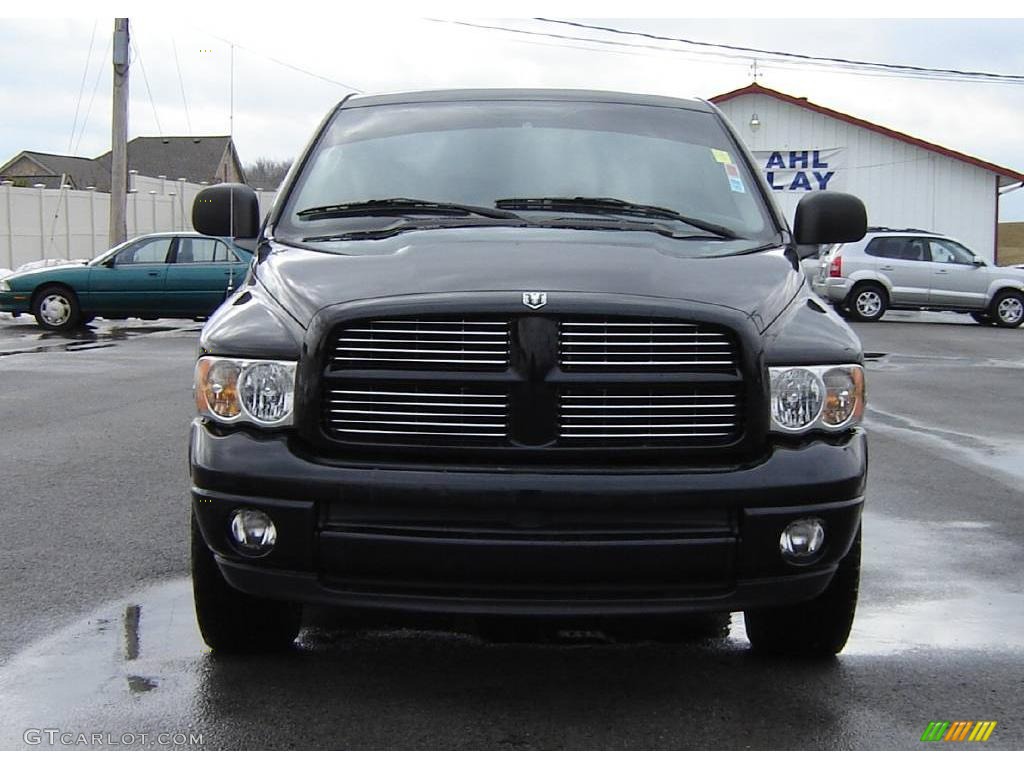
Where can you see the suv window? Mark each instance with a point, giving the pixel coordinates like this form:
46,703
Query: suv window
948,252
907,248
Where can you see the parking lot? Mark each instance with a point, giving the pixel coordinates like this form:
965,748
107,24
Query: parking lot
99,636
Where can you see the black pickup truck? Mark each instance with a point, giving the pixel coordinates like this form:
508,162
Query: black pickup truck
521,355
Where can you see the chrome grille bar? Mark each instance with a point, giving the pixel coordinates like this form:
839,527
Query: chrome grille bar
401,410
624,345
648,414
424,343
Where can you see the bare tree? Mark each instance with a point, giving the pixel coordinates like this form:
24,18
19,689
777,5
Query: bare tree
266,173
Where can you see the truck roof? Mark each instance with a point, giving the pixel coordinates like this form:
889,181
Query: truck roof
524,94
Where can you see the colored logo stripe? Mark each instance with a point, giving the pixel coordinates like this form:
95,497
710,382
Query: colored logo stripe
958,730
935,731
982,730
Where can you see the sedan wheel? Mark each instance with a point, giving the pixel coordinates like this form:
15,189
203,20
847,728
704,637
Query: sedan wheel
56,309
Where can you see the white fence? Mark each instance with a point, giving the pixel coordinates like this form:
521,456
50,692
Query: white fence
38,223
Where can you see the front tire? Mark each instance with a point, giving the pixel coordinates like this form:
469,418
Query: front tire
56,309
235,622
1007,309
868,303
816,628
981,318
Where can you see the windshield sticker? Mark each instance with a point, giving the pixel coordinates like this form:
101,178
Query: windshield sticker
733,174
721,156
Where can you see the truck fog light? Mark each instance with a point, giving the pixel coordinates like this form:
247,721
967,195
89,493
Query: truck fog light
253,531
802,540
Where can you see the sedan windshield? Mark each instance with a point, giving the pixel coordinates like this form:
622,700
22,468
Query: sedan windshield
670,170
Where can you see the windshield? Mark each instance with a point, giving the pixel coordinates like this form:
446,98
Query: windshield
552,162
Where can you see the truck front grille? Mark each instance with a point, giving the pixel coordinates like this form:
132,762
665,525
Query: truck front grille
406,410
445,343
533,386
619,415
613,344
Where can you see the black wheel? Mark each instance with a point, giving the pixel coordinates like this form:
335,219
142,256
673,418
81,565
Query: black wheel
56,309
232,621
841,310
813,629
981,318
867,303
1007,308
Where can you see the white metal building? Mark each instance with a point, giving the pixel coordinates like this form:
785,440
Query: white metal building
904,181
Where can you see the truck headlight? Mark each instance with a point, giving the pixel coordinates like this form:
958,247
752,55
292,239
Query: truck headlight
825,397
259,392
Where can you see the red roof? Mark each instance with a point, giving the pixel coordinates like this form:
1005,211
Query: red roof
757,89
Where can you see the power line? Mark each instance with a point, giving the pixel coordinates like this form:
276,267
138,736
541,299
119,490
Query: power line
279,62
81,87
803,56
95,87
806,57
781,59
145,79
181,82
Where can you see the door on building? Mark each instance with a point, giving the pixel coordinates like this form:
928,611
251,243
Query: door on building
198,276
904,261
131,280
956,280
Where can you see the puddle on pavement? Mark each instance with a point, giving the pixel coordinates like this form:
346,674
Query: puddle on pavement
1001,459
83,340
142,660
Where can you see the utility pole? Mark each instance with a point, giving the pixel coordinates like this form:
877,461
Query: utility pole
119,135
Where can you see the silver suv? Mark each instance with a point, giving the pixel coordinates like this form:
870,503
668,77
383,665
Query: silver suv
914,269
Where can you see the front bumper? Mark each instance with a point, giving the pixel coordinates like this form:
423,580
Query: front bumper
566,542
14,301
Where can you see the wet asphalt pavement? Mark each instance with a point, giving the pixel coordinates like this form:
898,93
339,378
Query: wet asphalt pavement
98,644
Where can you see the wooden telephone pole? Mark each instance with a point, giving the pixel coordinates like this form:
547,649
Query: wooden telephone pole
119,135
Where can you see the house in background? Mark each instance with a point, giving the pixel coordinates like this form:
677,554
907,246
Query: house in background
209,159
903,180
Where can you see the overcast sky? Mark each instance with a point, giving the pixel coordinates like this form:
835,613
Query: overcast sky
276,108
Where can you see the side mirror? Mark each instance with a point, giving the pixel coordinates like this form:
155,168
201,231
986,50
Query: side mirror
978,261
227,210
829,217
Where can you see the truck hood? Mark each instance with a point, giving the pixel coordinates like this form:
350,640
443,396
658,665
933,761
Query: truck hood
759,285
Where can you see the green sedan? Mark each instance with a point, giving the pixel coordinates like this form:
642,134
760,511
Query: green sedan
167,274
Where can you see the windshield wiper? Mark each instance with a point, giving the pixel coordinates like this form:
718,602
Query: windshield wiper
611,205
397,206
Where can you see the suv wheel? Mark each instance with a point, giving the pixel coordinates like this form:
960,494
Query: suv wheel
815,628
56,309
868,303
1007,309
982,318
232,621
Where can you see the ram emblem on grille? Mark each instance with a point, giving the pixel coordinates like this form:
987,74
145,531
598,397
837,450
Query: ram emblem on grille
534,299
